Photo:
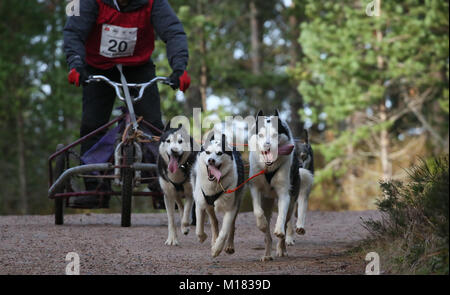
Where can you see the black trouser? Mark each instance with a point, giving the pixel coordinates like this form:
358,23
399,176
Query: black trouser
99,97
98,103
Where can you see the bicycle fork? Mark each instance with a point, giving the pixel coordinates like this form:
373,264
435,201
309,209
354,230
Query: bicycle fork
118,160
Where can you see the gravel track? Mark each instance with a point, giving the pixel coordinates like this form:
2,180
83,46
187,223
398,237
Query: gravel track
34,245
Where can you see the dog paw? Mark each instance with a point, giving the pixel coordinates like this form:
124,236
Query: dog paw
185,229
266,258
281,253
261,223
201,237
290,241
279,234
229,250
215,251
300,231
171,242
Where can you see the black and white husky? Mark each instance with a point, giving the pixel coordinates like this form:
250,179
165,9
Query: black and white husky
273,150
175,161
306,162
217,169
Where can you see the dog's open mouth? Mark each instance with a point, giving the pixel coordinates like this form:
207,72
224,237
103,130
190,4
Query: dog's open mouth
214,172
268,157
283,150
174,160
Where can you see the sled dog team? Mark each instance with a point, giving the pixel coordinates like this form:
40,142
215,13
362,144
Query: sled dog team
213,176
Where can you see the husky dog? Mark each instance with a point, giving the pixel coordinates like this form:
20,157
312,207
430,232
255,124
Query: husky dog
175,160
306,162
273,150
217,169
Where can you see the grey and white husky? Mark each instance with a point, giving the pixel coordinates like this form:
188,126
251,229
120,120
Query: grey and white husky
175,161
217,169
273,150
306,170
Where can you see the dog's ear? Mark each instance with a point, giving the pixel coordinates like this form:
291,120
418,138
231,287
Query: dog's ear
224,143
191,142
224,147
180,126
304,136
167,126
259,114
209,137
282,128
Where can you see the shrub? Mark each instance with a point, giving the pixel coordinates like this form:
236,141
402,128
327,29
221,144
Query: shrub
414,228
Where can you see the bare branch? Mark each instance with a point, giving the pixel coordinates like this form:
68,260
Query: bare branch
414,107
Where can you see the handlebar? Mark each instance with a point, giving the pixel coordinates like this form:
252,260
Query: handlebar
118,86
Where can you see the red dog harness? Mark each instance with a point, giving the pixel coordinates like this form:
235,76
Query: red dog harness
118,37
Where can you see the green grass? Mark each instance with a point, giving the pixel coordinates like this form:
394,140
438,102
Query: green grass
412,237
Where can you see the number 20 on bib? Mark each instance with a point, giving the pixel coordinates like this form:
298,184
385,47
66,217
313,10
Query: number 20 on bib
117,41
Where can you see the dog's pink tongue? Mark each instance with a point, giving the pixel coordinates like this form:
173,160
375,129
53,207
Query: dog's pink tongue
285,149
214,171
173,164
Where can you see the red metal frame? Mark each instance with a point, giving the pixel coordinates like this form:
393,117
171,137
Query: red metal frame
103,193
84,138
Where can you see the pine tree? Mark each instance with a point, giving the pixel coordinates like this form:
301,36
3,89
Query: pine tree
371,80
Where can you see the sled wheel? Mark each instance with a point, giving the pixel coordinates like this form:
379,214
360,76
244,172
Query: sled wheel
60,164
127,185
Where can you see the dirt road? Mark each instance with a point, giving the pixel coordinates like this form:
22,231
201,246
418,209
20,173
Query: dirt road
34,245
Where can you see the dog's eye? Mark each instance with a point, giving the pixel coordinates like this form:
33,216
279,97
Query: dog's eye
261,135
208,152
275,135
168,141
219,153
180,141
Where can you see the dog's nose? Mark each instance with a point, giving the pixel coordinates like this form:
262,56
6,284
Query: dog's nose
211,161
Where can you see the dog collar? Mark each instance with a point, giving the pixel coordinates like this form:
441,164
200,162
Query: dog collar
270,175
211,199
184,167
178,186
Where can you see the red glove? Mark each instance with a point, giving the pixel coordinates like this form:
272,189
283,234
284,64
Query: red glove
180,80
185,81
77,76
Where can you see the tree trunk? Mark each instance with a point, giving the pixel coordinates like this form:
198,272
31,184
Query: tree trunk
255,54
384,134
295,52
203,64
351,192
384,145
22,166
193,99
255,39
203,83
